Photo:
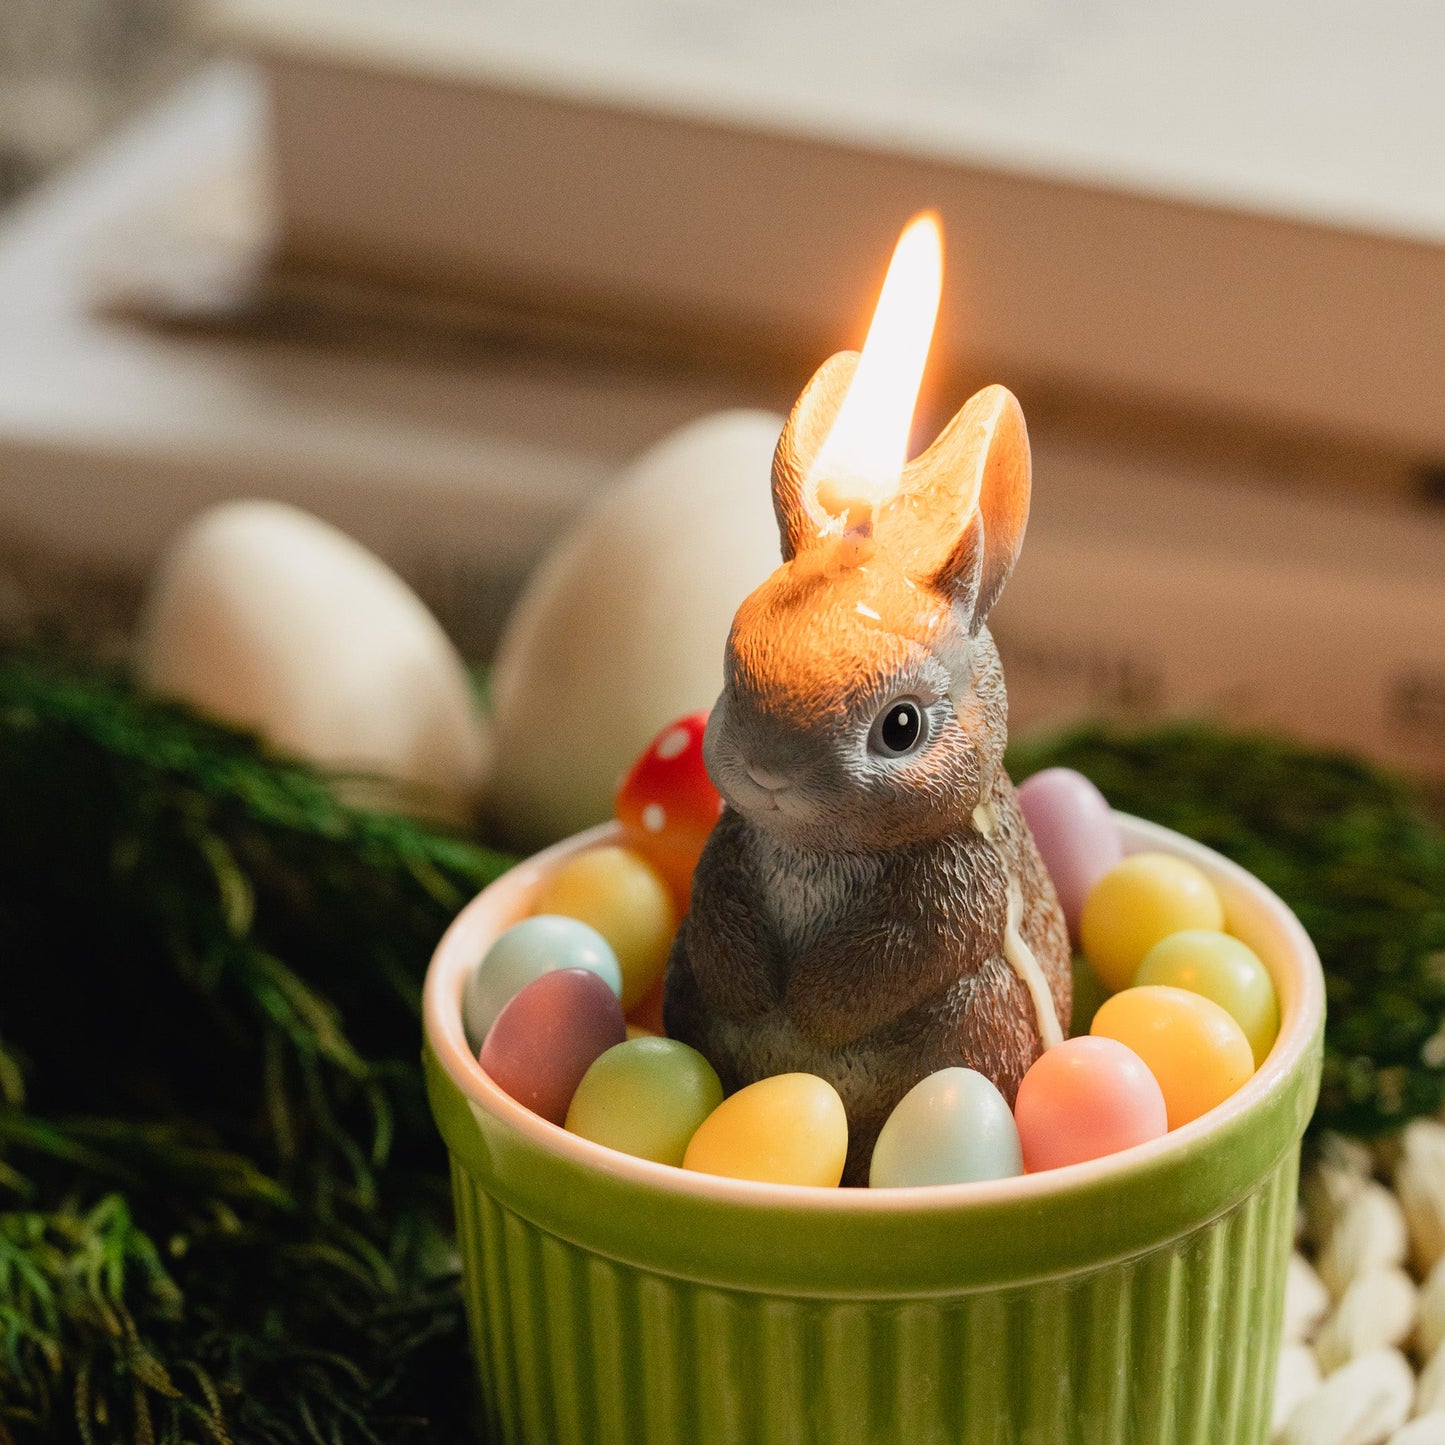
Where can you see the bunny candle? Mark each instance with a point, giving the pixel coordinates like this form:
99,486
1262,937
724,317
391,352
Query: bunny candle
870,907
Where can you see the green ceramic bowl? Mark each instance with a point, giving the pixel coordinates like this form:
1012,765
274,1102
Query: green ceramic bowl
1135,1298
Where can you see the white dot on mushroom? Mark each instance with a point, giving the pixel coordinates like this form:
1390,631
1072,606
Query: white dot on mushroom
673,744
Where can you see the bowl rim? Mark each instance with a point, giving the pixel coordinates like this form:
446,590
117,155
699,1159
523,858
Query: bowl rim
1250,907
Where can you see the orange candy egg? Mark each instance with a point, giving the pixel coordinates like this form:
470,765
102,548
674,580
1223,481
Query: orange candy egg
648,1014
1196,1051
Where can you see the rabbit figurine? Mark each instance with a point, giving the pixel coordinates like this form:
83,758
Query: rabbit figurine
871,907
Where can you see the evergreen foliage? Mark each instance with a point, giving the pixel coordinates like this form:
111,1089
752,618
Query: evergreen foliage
223,1209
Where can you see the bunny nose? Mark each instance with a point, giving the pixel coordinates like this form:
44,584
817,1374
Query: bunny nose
772,782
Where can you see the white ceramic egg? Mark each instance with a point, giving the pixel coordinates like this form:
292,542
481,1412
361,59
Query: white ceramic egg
268,618
622,627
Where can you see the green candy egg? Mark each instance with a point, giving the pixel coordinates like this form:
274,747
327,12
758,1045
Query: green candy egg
1221,968
954,1127
645,1097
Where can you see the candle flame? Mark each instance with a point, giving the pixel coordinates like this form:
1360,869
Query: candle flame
864,453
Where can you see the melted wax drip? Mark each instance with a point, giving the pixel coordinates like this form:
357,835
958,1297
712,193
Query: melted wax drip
1019,955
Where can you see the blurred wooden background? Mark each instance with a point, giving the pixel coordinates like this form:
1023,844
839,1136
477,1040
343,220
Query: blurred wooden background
70,69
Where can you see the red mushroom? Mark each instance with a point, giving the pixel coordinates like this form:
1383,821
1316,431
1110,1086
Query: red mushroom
667,804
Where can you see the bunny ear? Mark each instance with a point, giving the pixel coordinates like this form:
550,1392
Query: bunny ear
800,520
972,486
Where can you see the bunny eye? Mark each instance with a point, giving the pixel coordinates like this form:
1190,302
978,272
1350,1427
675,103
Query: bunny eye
898,730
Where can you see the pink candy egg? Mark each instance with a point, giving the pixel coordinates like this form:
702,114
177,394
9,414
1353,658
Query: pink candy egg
1076,834
1085,1098
549,1035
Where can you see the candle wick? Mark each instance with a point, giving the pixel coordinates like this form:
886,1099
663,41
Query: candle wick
856,513
848,538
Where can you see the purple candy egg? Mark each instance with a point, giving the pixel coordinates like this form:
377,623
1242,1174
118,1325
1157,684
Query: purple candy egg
1075,830
549,1035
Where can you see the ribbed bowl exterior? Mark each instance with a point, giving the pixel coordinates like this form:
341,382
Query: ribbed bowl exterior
1176,1346
1134,1300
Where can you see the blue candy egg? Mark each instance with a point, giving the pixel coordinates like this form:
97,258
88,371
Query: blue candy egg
525,952
954,1127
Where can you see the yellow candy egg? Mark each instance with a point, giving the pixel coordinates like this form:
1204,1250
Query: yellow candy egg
1192,1046
1140,900
790,1129
622,896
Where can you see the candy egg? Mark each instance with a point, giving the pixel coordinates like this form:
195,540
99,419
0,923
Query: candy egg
1195,1050
789,1129
1085,1098
667,804
645,1097
953,1127
1137,902
1224,969
621,895
526,951
1075,832
648,1012
549,1035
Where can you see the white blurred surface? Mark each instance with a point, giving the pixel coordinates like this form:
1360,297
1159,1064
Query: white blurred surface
1332,111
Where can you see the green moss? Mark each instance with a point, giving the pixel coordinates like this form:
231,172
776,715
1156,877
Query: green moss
223,1207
